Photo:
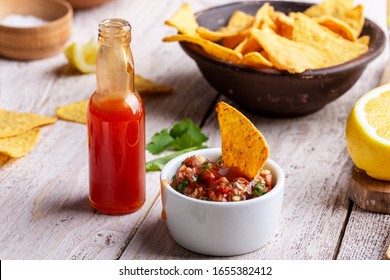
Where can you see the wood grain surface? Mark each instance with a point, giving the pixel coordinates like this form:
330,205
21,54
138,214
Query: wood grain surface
44,206
368,193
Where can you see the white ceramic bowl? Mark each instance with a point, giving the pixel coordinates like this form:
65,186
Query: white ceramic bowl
221,228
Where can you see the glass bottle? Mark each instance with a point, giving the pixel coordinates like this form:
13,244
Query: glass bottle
116,126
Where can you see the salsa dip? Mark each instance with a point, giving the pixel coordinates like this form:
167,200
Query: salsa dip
203,179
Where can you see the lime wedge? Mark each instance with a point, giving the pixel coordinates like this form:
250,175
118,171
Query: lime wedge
82,56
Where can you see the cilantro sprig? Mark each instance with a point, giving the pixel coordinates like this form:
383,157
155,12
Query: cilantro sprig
160,142
183,137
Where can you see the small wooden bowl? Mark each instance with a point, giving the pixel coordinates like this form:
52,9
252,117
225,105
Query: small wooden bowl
29,43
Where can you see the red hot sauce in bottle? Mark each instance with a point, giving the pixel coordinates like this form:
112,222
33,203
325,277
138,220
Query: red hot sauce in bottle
116,126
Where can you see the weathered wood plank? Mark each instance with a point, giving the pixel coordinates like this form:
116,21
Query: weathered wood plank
367,236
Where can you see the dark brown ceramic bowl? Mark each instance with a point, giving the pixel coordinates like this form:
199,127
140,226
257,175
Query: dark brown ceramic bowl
277,93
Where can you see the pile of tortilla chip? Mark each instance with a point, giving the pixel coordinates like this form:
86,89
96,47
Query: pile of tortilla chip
19,133
326,34
243,145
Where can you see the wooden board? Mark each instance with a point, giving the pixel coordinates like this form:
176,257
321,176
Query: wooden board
368,193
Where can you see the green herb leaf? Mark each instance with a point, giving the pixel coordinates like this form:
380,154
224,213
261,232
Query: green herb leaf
158,163
188,127
184,134
182,185
186,141
180,128
160,142
196,134
205,166
258,189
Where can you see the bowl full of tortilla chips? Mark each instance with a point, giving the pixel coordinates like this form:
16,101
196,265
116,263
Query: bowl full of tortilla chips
279,58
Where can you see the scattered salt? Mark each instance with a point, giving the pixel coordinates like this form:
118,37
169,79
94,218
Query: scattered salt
22,21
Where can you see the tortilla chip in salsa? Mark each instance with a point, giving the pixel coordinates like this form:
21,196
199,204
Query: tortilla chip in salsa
243,145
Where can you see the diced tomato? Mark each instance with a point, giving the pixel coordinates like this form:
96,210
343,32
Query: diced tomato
201,179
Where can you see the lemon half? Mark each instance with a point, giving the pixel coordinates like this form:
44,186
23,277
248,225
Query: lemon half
82,56
368,133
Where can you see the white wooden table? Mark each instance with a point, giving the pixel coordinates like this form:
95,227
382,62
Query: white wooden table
44,209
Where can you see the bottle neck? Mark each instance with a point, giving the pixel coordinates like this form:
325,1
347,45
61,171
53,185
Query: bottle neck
114,62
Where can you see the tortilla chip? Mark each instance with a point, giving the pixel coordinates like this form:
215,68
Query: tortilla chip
75,112
355,19
262,17
238,25
284,25
148,87
239,21
329,7
342,10
255,59
288,55
269,22
211,48
214,35
184,20
3,159
340,50
243,146
248,45
262,14
14,123
365,40
337,26
233,41
20,145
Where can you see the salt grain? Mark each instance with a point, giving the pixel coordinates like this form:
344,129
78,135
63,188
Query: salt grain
22,21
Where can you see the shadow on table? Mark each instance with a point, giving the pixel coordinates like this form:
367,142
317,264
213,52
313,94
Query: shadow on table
81,204
66,70
62,207
157,243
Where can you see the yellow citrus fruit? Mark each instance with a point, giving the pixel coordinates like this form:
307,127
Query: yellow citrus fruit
82,56
368,133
